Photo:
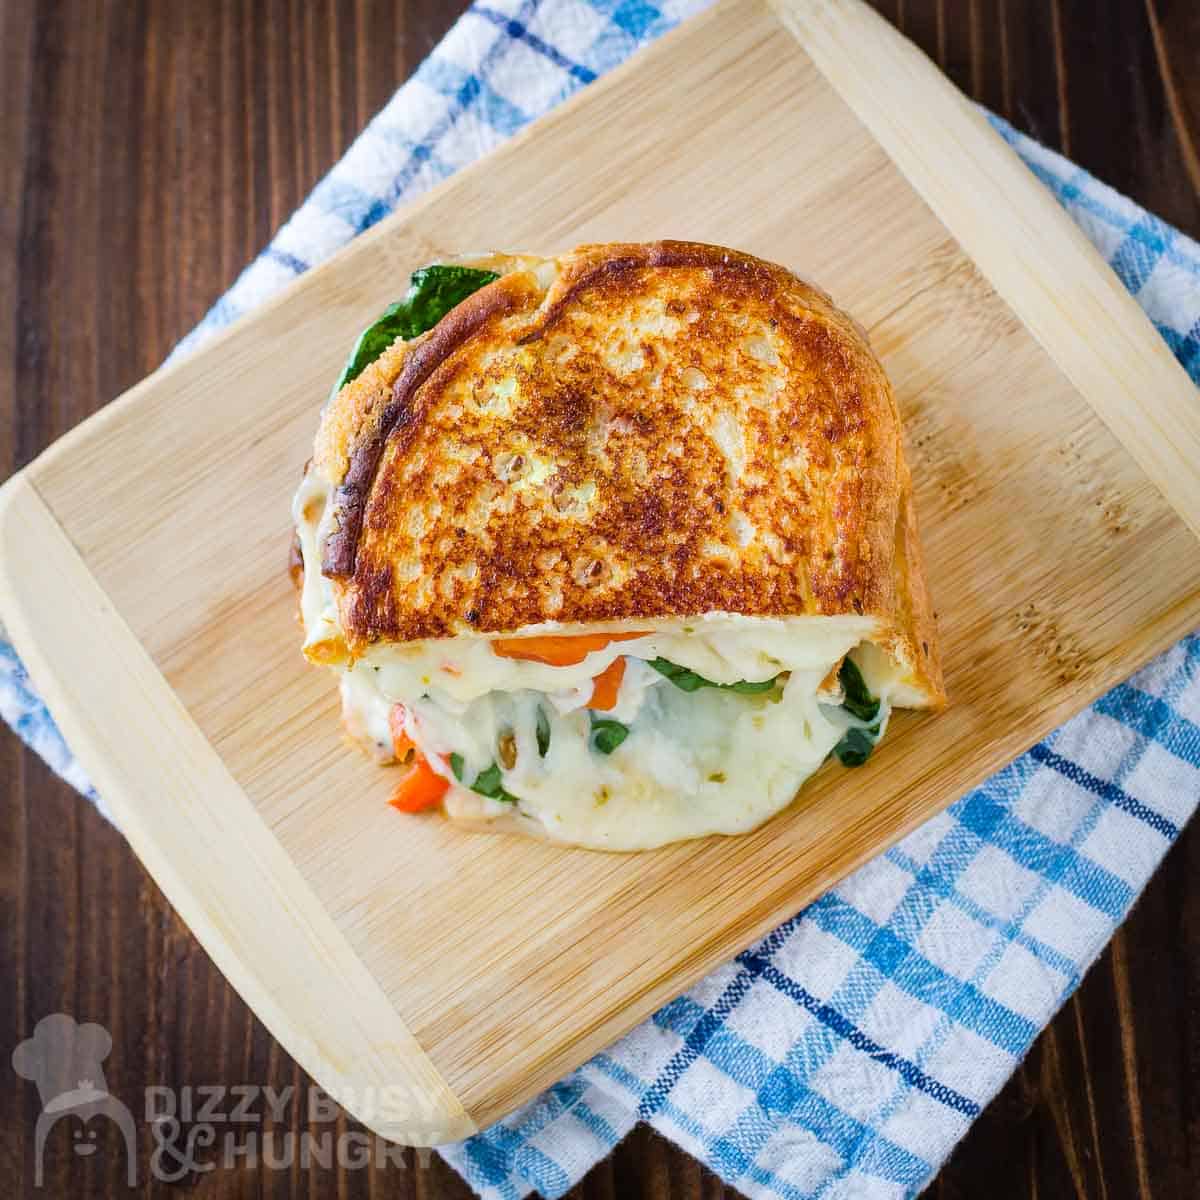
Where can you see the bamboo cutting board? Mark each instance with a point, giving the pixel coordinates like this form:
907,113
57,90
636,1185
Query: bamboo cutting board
432,978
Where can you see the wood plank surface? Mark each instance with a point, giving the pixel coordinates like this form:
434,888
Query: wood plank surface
152,152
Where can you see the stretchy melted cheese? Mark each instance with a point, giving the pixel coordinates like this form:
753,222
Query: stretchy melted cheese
673,441
709,761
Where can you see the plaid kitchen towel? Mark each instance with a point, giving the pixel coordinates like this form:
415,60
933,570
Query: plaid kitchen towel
847,1052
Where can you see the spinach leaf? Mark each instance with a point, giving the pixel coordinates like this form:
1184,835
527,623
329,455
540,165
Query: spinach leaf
748,687
855,747
689,681
858,742
607,734
432,293
487,783
543,732
857,700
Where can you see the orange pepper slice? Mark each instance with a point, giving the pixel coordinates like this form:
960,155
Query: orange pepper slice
606,685
555,651
421,788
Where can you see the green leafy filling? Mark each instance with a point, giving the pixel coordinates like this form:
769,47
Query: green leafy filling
607,734
543,732
857,743
856,746
487,783
856,697
689,681
432,293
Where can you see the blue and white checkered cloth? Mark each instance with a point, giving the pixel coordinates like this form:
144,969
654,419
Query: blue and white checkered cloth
846,1053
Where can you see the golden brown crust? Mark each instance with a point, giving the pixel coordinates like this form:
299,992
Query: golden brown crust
628,431
400,418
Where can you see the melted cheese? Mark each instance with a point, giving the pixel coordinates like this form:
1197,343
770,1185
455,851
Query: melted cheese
693,763
723,647
312,512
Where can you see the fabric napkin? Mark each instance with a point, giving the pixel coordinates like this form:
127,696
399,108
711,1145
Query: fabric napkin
847,1052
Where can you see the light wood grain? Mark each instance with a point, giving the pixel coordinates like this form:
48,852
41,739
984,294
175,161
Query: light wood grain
199,835
1095,330
1056,566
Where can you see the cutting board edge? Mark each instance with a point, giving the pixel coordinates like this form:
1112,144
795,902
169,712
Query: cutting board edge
297,963
1108,348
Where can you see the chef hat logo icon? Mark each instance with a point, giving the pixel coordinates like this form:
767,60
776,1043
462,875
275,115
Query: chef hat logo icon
64,1059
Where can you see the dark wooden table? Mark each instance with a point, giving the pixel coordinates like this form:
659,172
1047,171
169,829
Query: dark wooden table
149,149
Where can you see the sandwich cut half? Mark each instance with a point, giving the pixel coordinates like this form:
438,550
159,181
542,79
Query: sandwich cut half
616,547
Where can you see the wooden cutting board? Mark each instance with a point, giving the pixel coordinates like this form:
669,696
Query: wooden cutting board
432,978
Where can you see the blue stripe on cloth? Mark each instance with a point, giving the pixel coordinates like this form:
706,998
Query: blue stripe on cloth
595,1123
693,1045
906,968
933,881
811,1111
1080,190
294,264
1033,850
633,1083
1155,720
845,1134
470,90
827,1015
1185,347
636,18
1105,789
489,1165
1138,255
503,1151
360,209
515,29
751,1068
455,83
548,1176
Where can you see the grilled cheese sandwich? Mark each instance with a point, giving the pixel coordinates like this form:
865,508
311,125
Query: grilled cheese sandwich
620,550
